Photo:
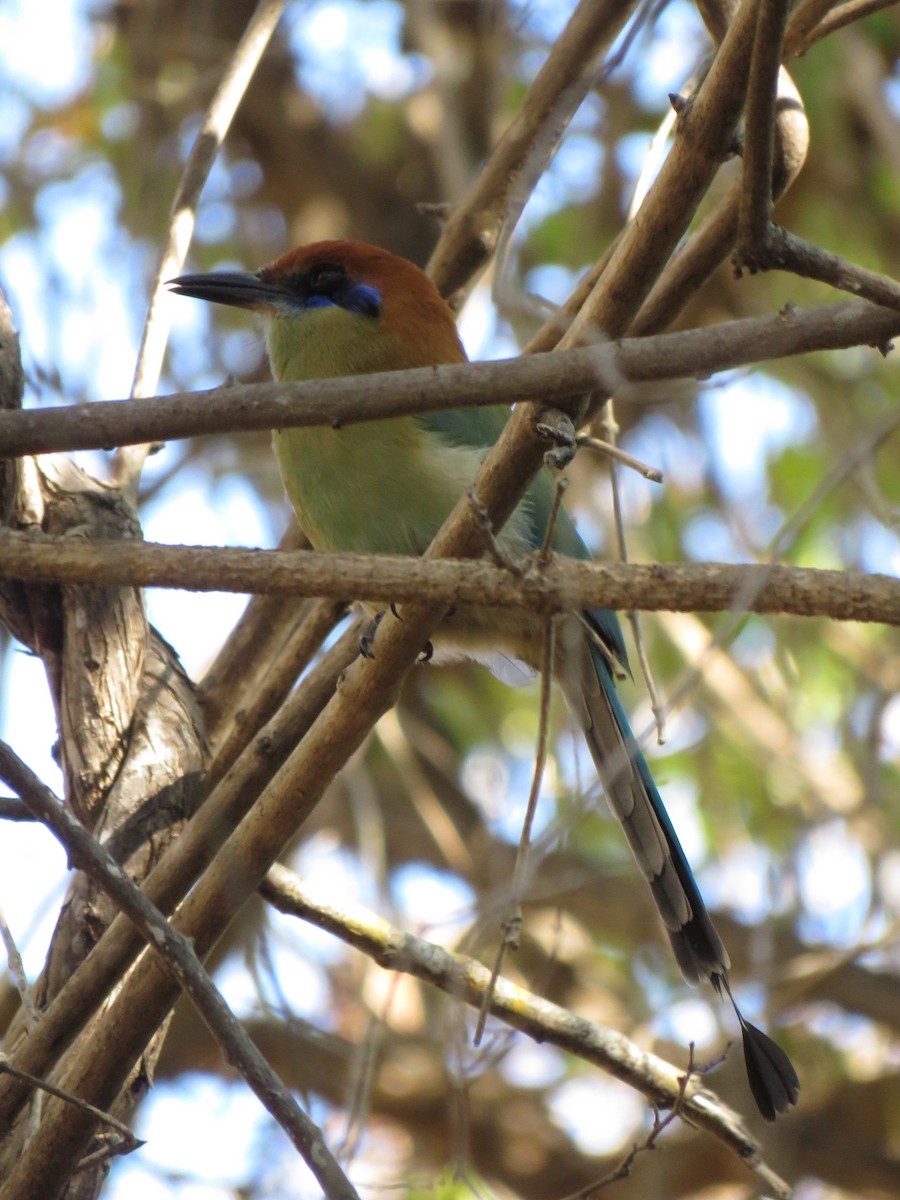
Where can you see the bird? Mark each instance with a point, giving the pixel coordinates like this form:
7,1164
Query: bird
341,308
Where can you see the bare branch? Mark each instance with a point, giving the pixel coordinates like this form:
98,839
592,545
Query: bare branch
210,136
178,957
262,704
759,127
704,139
826,17
694,353
471,234
784,251
559,585
466,979
129,1141
93,981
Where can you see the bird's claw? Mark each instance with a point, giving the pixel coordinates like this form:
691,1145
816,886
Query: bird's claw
557,428
368,636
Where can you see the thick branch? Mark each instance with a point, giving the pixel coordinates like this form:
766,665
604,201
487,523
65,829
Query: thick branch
471,234
557,585
91,984
704,138
179,959
552,377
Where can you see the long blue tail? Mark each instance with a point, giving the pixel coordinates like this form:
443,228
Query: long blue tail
590,689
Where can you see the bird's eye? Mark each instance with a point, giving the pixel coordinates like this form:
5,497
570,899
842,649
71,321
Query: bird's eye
325,275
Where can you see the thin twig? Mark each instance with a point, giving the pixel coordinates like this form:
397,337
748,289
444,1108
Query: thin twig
12,809
493,549
621,456
512,925
129,1141
543,555
127,464
17,970
785,537
466,979
806,16
839,16
657,706
784,251
660,1123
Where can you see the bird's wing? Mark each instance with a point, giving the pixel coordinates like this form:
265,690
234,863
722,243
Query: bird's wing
480,428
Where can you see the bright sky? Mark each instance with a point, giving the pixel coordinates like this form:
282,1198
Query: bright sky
348,47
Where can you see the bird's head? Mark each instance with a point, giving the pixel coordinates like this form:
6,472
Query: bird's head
338,308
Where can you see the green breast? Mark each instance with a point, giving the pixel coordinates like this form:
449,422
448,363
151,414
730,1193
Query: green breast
379,487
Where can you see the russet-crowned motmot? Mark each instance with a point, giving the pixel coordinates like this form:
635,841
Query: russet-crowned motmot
343,308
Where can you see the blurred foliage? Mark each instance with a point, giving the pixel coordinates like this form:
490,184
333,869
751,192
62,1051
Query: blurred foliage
788,729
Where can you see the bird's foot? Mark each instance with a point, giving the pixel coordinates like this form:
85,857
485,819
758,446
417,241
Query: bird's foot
558,429
368,636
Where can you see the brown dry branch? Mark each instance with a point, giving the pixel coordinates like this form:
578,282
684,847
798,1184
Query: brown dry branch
466,979
180,227
89,986
252,648
471,234
126,1140
694,353
831,17
759,122
782,250
807,15
762,245
555,586
12,809
262,703
178,958
704,138
713,241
